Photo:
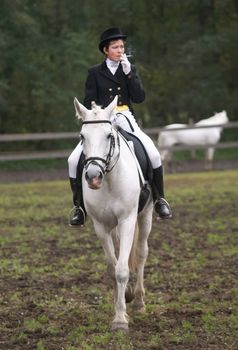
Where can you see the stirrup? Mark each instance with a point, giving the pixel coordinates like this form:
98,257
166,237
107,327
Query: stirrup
73,210
159,202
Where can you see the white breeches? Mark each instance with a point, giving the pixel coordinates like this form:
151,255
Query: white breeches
74,159
127,122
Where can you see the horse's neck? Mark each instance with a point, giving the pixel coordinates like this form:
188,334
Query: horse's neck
117,149
216,119
127,154
124,172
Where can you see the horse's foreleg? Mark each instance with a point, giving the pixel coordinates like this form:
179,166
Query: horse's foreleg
142,253
209,157
126,234
109,250
193,154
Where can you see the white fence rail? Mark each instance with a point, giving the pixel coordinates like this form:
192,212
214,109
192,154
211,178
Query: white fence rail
9,156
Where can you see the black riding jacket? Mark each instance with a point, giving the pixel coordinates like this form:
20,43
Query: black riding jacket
102,86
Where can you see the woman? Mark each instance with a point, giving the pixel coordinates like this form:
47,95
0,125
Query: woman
116,76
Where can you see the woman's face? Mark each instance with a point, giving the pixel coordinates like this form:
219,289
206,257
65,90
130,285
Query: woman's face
115,50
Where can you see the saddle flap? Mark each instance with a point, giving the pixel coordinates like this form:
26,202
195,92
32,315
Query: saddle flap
140,153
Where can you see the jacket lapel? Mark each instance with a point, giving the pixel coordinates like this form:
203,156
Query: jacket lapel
107,73
119,73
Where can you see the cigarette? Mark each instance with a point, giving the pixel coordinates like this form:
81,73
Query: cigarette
128,55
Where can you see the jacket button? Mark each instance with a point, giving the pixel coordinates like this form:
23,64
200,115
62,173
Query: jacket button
111,97
110,89
118,88
120,103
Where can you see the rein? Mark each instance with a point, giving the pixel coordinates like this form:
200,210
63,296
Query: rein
93,160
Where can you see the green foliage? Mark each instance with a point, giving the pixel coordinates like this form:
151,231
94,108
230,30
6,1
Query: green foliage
186,53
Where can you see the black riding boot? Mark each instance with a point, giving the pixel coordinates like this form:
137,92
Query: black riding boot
78,216
161,205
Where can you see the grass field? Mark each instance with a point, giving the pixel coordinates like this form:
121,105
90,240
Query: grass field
54,288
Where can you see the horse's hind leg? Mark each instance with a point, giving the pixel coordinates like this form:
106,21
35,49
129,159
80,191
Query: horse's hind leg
109,249
126,234
145,223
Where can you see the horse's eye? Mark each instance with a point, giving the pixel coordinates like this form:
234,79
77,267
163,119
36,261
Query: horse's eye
81,137
109,135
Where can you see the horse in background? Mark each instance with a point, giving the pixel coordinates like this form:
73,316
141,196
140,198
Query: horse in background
111,189
193,137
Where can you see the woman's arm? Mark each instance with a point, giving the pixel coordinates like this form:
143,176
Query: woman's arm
135,87
90,90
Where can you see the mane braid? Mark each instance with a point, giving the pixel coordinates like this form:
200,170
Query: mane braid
96,109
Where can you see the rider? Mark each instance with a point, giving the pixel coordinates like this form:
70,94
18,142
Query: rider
116,76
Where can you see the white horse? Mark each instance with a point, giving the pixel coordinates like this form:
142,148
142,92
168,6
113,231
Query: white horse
111,188
193,137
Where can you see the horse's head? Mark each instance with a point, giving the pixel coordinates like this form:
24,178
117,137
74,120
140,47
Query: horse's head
222,117
98,140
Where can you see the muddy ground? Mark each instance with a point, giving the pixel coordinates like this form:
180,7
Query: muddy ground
62,174
54,289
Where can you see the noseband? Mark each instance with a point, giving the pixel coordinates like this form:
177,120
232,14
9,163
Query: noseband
106,162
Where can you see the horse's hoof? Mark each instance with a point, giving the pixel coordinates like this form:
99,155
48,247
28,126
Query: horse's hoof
140,311
119,326
139,308
129,294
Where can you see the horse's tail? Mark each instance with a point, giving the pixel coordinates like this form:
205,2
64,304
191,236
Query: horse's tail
133,260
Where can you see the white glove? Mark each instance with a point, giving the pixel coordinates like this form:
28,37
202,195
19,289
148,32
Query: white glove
126,66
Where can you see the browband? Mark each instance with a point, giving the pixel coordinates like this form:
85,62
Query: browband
96,121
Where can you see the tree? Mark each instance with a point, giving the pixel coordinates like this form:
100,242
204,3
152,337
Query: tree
186,53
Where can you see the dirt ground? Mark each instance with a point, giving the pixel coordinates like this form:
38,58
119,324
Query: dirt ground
62,174
55,293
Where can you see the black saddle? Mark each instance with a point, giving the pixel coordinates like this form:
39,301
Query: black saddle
145,165
141,155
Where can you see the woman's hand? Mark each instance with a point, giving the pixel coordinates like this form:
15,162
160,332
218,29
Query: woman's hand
126,66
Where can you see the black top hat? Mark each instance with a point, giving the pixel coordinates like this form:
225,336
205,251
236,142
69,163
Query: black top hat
110,34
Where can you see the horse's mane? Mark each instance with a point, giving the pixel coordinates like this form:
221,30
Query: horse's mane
218,118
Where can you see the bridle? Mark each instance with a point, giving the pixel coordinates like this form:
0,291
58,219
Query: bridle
107,161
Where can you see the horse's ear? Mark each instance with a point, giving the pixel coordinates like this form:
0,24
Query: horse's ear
80,110
112,106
